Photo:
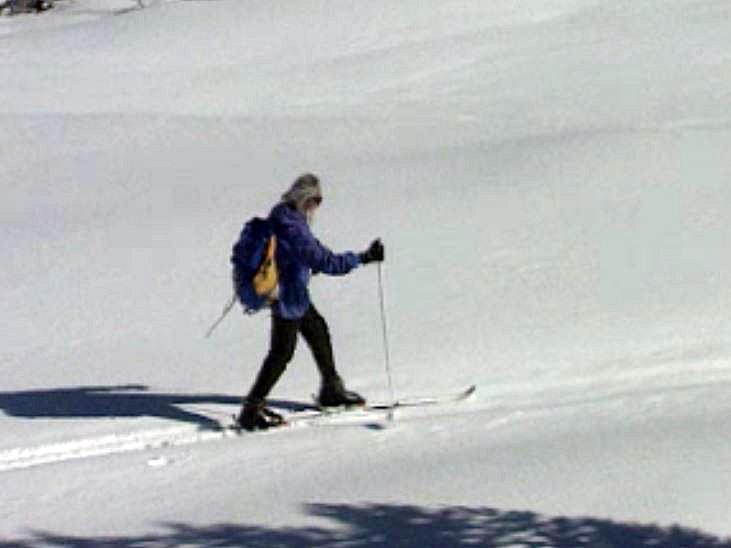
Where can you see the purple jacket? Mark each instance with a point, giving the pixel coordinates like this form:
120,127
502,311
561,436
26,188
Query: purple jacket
299,253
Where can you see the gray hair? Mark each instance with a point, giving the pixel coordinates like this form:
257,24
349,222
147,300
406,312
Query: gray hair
305,187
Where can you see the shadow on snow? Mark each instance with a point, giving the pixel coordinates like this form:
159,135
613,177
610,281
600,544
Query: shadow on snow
123,401
356,526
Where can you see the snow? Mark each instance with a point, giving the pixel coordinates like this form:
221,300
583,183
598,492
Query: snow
551,180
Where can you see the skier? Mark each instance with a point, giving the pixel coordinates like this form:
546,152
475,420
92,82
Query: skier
298,255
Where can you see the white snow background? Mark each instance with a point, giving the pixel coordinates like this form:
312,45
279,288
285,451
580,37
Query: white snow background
552,182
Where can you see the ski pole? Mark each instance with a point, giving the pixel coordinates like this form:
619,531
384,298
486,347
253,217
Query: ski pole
386,348
226,310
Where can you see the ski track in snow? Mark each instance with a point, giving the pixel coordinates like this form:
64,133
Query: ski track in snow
144,440
26,457
161,438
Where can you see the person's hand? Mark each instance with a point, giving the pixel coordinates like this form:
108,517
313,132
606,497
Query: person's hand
375,253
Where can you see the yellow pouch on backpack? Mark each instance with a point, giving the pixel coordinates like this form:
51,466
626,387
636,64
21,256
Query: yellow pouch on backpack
266,278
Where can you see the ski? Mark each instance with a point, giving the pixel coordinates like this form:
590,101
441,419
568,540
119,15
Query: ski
427,400
406,402
315,414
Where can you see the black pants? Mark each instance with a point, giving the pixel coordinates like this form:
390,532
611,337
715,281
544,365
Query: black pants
314,330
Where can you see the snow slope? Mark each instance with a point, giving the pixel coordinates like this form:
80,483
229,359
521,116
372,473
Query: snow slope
551,180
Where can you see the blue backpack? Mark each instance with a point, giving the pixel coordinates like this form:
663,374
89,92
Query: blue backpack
255,274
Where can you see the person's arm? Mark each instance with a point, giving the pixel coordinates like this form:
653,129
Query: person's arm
310,251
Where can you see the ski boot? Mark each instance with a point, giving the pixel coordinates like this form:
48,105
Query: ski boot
255,416
334,394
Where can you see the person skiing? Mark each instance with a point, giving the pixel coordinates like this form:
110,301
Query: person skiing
298,255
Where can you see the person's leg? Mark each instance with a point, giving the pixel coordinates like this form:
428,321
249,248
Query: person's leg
283,342
316,333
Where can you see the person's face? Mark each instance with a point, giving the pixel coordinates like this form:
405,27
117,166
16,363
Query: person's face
313,203
310,206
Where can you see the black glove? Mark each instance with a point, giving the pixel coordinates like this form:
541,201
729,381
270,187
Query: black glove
376,252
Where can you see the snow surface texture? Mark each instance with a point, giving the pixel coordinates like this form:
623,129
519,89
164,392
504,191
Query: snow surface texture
551,179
